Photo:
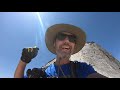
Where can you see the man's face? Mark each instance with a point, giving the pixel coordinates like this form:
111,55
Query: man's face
64,44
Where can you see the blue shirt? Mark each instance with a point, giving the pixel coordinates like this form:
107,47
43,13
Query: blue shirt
83,70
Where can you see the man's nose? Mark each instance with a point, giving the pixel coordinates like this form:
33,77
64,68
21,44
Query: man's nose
66,39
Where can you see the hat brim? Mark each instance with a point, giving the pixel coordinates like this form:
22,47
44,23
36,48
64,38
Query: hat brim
53,30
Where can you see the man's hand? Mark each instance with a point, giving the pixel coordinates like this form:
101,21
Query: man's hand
29,53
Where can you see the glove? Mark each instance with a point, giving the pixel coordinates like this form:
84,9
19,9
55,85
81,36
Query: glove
28,54
36,73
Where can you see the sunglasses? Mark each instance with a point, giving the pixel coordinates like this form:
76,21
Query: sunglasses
62,36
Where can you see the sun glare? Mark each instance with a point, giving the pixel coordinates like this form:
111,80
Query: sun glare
40,20
41,31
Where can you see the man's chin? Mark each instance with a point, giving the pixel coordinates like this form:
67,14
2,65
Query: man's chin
65,54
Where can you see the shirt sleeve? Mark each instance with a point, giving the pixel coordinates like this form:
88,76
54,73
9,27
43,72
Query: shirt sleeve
86,69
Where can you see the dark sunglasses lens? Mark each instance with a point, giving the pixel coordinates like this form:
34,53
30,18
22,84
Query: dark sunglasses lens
61,36
72,38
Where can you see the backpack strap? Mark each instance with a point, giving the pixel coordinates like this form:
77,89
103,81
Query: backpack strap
74,66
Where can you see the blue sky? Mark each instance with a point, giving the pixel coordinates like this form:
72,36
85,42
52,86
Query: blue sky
26,29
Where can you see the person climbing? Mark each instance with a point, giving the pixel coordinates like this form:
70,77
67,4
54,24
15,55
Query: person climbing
63,40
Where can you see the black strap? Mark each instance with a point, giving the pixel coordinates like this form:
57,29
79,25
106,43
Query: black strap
74,67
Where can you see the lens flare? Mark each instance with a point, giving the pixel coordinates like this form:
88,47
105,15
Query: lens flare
40,33
40,20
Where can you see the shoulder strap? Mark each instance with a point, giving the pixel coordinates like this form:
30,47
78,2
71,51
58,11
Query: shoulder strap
74,66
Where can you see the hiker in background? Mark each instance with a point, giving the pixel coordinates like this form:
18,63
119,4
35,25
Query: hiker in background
63,40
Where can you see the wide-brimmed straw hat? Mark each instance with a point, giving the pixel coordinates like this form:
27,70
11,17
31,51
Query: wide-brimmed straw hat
53,30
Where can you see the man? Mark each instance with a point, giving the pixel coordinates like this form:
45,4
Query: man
63,40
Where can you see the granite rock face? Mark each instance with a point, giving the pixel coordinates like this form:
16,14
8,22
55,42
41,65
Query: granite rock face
102,61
